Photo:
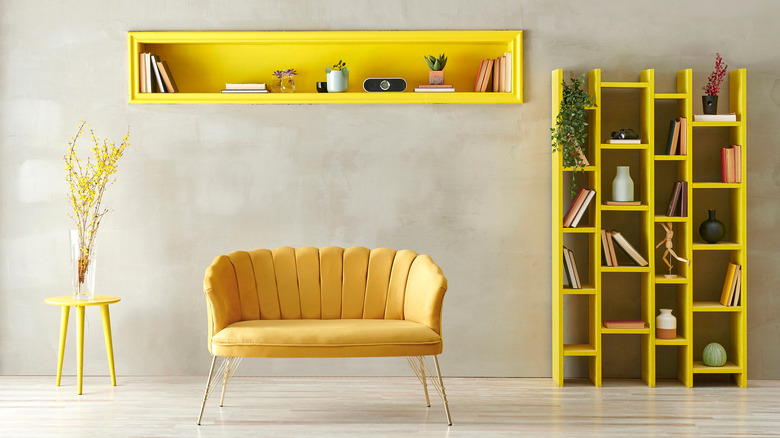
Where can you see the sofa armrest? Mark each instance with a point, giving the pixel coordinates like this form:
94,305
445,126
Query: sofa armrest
425,290
223,304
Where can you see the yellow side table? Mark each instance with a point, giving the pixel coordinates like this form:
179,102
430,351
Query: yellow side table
67,302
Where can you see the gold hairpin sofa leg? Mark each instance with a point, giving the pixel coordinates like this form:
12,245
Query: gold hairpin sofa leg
419,364
443,392
208,387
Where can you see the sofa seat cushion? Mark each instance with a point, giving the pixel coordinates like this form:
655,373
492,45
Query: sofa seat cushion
326,338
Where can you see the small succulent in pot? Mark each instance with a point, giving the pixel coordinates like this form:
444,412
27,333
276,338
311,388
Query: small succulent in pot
436,63
341,65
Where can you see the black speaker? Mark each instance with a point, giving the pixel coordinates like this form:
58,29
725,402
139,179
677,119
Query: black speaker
379,85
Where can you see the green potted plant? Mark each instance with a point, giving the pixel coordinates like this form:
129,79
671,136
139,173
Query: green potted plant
436,64
570,133
338,77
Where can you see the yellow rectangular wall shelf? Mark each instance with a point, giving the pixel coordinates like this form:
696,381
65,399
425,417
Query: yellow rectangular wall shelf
201,62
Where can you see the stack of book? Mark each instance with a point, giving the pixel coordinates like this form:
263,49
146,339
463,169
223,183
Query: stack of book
155,75
677,141
245,87
495,75
678,201
732,286
428,88
578,208
731,164
608,241
570,269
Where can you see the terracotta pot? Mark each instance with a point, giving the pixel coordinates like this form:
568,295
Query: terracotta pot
436,77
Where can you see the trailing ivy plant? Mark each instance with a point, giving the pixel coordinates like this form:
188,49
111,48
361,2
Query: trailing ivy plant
570,133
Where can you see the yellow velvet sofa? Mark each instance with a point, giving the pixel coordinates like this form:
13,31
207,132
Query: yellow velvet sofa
328,302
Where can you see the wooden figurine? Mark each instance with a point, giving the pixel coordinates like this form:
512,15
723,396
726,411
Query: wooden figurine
669,251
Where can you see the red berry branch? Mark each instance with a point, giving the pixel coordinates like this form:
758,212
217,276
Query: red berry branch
713,82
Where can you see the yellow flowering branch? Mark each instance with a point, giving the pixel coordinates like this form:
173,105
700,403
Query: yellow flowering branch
87,182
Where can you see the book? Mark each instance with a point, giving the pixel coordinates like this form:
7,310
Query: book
434,90
626,324
167,77
156,74
628,248
583,208
434,86
574,207
574,269
737,289
245,86
570,269
672,139
148,72
487,79
737,163
624,141
684,199
142,73
496,75
730,117
725,295
605,248
683,150
244,91
727,164
622,202
508,71
674,199
480,75
502,74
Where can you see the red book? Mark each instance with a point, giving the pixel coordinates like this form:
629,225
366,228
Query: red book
574,208
633,324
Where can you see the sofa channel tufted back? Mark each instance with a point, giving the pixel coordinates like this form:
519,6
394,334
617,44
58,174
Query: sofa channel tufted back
327,283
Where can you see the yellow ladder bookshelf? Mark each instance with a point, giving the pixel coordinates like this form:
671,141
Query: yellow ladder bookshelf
203,62
693,302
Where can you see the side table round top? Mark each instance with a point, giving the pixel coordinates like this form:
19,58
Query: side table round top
97,300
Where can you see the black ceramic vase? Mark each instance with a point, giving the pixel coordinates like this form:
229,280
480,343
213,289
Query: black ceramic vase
712,230
709,104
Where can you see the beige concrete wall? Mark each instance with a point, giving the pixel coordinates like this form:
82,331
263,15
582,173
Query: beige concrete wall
467,184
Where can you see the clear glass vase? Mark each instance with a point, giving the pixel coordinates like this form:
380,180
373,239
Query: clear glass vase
287,84
83,265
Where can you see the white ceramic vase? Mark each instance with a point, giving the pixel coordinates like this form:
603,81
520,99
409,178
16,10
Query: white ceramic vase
622,185
665,325
338,81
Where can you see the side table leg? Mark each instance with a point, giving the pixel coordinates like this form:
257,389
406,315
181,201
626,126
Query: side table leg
109,344
80,348
63,336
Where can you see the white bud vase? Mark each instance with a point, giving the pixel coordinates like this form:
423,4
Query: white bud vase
665,325
622,185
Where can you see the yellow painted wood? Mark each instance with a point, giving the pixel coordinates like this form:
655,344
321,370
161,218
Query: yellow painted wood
686,232
65,313
586,290
557,240
579,350
80,348
66,302
729,368
202,62
109,344
579,230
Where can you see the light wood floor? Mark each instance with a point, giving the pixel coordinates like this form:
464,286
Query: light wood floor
382,407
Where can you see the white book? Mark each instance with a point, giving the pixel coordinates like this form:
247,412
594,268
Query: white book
245,86
730,117
148,72
508,72
624,141
244,91
434,90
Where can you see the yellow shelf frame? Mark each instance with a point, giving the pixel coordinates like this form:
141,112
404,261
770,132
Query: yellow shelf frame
201,62
687,246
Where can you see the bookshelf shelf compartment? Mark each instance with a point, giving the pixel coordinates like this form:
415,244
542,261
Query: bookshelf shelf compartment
630,288
202,62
